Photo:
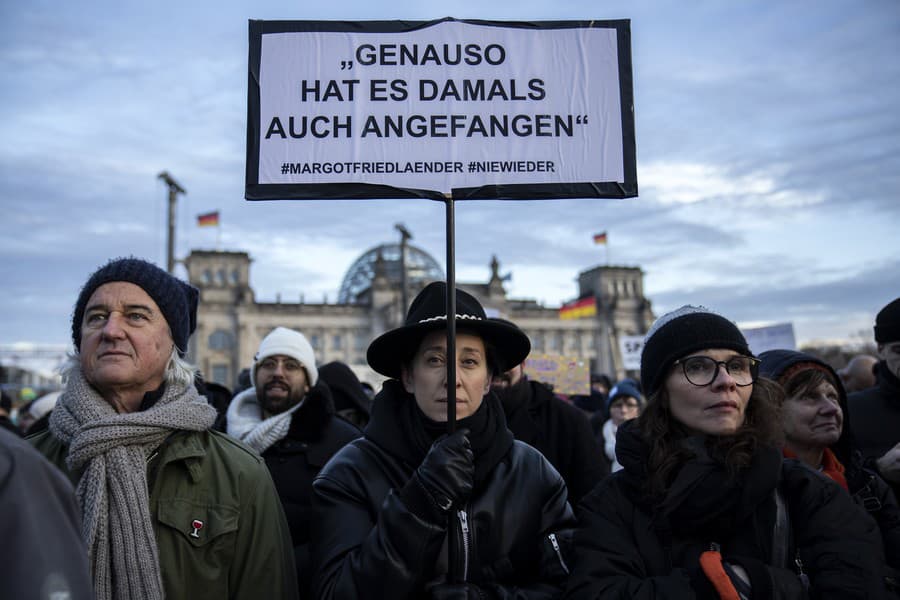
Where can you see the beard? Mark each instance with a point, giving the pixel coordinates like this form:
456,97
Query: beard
278,397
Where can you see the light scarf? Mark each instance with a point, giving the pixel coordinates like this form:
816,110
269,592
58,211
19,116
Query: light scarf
245,421
609,444
112,450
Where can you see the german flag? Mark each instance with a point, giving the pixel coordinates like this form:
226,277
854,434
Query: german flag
210,219
578,309
600,238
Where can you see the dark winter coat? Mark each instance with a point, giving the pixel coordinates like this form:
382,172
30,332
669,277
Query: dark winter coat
876,415
628,546
866,487
369,543
314,436
560,431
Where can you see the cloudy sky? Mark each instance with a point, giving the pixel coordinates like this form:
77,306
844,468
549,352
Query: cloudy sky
768,144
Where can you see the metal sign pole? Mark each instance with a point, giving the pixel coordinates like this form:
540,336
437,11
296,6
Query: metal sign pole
451,318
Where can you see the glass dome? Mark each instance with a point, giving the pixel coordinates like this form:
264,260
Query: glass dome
420,269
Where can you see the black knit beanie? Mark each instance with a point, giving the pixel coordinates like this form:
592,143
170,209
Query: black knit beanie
887,323
176,299
680,332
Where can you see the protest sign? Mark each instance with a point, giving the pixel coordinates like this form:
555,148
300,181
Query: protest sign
631,346
476,109
566,374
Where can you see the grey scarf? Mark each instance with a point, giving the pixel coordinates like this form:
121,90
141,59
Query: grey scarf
112,451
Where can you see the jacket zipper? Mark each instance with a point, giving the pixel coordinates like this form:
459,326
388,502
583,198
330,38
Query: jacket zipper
556,548
466,541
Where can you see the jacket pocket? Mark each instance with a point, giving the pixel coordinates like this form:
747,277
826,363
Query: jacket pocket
198,524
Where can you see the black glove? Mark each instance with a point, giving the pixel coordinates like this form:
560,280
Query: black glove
448,471
456,591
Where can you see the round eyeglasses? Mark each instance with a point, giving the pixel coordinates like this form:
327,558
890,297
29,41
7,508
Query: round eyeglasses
703,370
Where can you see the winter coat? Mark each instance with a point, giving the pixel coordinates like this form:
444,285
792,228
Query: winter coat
44,555
314,436
876,415
369,543
560,431
244,548
628,546
868,490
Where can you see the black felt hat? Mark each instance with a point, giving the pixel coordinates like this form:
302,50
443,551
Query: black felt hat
427,313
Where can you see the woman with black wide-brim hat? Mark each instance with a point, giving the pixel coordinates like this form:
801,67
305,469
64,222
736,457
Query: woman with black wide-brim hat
387,502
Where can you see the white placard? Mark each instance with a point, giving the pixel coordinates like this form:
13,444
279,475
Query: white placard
445,106
630,346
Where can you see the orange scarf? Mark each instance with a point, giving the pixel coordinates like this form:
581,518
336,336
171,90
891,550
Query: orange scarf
831,466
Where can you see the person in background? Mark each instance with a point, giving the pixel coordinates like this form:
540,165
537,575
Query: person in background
387,503
859,373
5,410
170,508
44,556
288,417
705,507
350,399
553,426
817,432
875,412
623,404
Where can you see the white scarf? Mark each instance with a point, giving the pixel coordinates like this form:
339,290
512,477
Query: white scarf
609,443
112,451
245,421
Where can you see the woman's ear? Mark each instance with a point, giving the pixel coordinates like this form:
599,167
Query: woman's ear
406,379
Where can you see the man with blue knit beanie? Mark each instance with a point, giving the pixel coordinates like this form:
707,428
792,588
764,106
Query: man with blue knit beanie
170,508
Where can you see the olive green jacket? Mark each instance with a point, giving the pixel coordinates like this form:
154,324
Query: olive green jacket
243,548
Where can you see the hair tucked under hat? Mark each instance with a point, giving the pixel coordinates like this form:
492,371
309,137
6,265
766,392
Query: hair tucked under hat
887,323
287,342
680,332
176,299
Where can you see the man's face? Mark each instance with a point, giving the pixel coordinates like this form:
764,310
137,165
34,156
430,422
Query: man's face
125,340
858,374
890,354
508,379
281,383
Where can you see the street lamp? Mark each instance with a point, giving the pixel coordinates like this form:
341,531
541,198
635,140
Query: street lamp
405,236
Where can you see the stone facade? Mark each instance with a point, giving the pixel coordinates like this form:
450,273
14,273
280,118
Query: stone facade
231,323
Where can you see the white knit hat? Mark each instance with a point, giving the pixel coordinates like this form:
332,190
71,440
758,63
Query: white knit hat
287,342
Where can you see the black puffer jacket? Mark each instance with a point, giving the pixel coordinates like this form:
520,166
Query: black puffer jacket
368,543
866,487
560,431
314,436
629,547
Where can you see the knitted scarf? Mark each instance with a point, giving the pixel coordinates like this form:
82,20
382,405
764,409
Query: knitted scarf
245,421
831,466
111,450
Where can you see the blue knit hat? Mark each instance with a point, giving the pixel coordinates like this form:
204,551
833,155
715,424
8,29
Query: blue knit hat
176,299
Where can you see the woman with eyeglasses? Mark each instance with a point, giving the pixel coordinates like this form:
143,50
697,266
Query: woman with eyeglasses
704,506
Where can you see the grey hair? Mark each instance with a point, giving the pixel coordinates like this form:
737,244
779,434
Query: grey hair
179,372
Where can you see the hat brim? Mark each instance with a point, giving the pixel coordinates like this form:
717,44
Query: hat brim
387,352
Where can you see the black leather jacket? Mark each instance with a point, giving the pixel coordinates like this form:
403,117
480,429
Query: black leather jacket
367,543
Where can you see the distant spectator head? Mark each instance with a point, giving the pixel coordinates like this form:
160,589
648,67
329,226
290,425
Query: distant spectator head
887,336
600,383
859,373
624,401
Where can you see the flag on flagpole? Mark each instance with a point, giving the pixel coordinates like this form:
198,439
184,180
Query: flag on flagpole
578,309
210,219
600,238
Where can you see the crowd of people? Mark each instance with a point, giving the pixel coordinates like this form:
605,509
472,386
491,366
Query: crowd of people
715,474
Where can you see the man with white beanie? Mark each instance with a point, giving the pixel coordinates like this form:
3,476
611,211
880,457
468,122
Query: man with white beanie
288,416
